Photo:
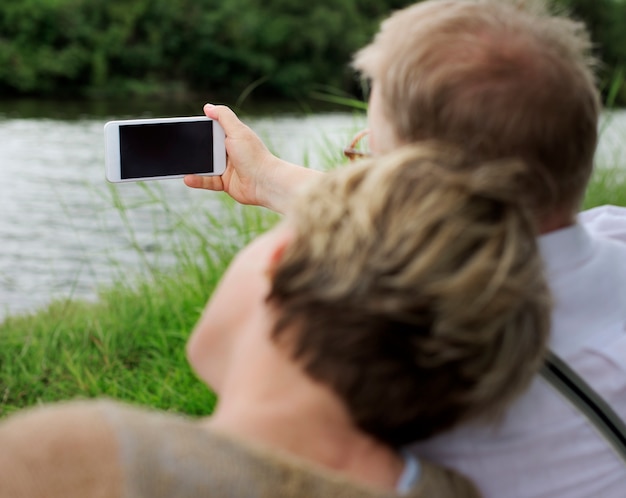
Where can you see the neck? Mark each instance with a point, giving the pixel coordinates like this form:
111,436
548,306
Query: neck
271,402
555,221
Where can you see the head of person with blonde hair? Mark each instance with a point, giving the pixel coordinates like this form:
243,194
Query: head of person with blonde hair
407,289
413,287
503,79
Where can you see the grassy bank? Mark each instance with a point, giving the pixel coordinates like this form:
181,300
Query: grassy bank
129,345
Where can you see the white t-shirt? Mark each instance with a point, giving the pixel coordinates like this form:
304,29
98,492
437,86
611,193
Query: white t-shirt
545,448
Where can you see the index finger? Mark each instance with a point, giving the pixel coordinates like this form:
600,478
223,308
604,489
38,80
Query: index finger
225,117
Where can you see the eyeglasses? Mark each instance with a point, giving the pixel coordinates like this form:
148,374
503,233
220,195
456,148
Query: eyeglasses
353,151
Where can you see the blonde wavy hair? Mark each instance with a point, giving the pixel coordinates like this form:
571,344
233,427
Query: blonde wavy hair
413,288
502,79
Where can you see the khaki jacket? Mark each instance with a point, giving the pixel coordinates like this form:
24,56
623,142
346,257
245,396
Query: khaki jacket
108,450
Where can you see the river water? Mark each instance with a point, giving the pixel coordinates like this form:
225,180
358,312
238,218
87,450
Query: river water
60,232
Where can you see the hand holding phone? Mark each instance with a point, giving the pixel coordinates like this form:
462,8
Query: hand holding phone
161,148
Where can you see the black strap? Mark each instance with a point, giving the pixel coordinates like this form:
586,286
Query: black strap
557,373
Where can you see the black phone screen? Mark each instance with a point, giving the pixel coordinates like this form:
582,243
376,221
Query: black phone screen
163,149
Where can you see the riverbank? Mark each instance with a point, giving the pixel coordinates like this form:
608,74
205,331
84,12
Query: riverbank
129,344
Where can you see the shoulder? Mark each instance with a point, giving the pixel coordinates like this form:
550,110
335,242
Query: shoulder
606,221
108,450
67,446
190,460
100,449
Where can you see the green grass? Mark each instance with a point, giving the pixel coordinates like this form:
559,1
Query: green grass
607,186
129,345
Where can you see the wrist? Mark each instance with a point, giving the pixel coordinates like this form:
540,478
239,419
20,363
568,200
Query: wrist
281,183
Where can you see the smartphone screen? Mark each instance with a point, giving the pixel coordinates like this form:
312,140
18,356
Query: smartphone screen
164,149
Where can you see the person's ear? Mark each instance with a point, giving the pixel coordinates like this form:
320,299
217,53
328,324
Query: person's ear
284,238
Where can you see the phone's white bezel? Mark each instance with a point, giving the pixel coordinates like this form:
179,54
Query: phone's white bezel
112,147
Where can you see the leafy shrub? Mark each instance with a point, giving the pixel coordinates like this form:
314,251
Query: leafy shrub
106,47
223,49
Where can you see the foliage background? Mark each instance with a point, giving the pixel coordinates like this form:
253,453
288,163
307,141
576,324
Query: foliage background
122,47
219,48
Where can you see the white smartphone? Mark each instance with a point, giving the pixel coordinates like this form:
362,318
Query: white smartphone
160,148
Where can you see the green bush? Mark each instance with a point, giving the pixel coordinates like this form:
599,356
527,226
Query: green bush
282,48
113,47
606,21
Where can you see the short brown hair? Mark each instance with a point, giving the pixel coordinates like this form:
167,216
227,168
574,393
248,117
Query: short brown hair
497,79
413,288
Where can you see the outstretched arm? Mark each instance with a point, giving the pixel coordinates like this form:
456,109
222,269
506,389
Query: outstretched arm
253,174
